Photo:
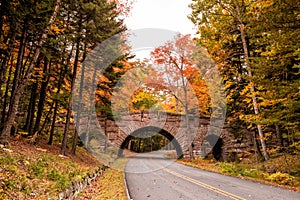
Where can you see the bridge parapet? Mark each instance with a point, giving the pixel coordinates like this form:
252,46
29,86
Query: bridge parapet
116,131
174,124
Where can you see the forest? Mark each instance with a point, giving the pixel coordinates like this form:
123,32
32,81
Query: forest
254,45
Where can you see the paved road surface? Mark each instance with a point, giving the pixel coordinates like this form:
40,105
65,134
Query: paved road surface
150,176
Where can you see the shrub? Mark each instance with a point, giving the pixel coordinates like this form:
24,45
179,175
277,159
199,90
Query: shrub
54,175
36,170
238,170
281,178
228,168
253,173
62,183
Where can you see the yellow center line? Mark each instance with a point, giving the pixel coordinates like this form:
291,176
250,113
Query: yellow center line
204,185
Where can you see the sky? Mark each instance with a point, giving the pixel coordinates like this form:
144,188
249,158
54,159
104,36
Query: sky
162,14
166,14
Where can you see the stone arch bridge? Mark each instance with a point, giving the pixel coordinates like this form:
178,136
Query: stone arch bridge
200,133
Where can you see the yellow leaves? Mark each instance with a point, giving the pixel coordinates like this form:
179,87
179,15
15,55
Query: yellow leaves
271,102
281,178
169,105
56,30
111,186
228,84
3,46
263,4
144,100
271,53
250,118
246,93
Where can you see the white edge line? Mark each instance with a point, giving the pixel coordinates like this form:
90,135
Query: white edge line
126,187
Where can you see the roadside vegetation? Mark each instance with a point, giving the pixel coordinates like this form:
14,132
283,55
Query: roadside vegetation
38,172
110,186
280,170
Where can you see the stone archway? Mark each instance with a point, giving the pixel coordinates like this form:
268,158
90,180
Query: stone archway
162,132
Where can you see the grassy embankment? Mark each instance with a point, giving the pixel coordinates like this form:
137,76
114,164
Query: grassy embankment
38,172
281,170
112,185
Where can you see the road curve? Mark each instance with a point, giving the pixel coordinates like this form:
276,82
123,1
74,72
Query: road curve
151,176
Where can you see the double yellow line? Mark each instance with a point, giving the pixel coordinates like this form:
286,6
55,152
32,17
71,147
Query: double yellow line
222,192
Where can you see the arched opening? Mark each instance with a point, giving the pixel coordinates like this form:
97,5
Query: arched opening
146,140
216,143
217,150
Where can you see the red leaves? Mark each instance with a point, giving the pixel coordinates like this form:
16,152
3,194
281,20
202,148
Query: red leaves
182,78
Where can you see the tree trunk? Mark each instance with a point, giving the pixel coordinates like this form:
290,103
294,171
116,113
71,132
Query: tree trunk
90,111
63,148
62,74
47,119
186,108
42,98
56,105
4,64
279,136
6,94
87,133
3,6
66,131
252,89
18,67
50,141
75,136
105,133
258,153
254,99
5,134
31,109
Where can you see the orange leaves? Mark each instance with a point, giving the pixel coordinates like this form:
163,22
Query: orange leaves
127,65
103,79
160,55
176,54
182,79
56,30
190,72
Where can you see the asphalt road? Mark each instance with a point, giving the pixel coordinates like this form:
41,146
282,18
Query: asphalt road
150,176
